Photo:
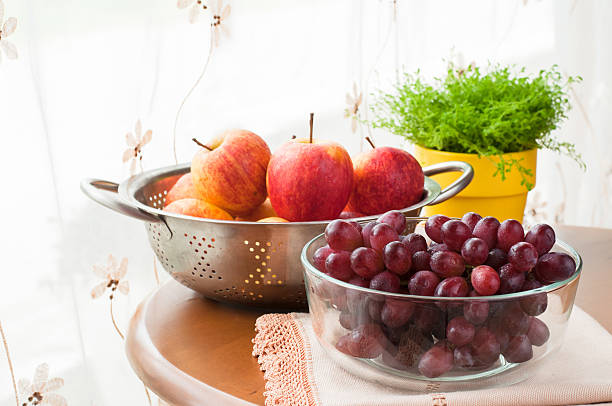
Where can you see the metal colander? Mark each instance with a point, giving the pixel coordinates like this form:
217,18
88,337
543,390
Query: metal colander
233,261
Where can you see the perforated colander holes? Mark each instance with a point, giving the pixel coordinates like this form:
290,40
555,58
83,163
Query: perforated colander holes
201,242
234,293
201,245
158,200
154,235
227,292
261,251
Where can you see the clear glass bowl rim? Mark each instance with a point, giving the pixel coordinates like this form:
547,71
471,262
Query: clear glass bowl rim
309,267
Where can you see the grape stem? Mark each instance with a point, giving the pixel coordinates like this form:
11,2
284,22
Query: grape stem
311,121
369,140
200,144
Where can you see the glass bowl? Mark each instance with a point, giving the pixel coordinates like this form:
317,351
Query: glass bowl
347,322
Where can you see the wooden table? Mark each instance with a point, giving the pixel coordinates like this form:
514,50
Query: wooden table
188,349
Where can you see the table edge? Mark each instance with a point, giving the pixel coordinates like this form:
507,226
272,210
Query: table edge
159,375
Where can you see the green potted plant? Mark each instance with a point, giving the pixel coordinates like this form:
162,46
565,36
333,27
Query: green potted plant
496,120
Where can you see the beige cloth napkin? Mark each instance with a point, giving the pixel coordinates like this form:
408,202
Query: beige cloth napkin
299,371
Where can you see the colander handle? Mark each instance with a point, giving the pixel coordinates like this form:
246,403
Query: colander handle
105,193
455,187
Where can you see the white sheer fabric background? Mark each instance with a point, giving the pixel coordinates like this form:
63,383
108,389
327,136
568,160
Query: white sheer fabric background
88,70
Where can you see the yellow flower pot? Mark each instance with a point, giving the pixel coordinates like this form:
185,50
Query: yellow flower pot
487,195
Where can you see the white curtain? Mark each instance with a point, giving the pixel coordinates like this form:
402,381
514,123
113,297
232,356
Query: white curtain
88,70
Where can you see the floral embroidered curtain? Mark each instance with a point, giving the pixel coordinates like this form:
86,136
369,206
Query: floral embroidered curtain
110,88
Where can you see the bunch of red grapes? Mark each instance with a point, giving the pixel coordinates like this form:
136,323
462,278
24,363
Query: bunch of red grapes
470,257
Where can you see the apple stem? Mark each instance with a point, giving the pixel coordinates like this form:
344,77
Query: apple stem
369,140
200,144
311,121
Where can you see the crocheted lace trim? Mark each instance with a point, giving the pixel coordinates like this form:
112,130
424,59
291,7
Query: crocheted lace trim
284,356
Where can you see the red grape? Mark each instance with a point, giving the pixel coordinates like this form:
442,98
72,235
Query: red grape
395,219
537,332
435,247
554,267
436,361
338,265
359,281
393,334
423,283
501,335
386,281
366,262
519,349
344,344
396,313
523,256
427,318
455,286
319,257
433,227
455,233
342,235
475,251
447,263
366,231
536,304
486,229
514,320
509,233
470,219
420,261
415,242
464,357
485,280
352,320
496,258
366,341
486,347
476,312
356,225
459,331
381,235
346,320
374,309
511,280
496,308
542,237
397,257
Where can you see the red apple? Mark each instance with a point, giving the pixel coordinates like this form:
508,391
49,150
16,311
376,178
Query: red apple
310,181
230,172
272,220
350,215
182,189
385,178
262,211
197,208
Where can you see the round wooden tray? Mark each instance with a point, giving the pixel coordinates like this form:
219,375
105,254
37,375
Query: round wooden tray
192,351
